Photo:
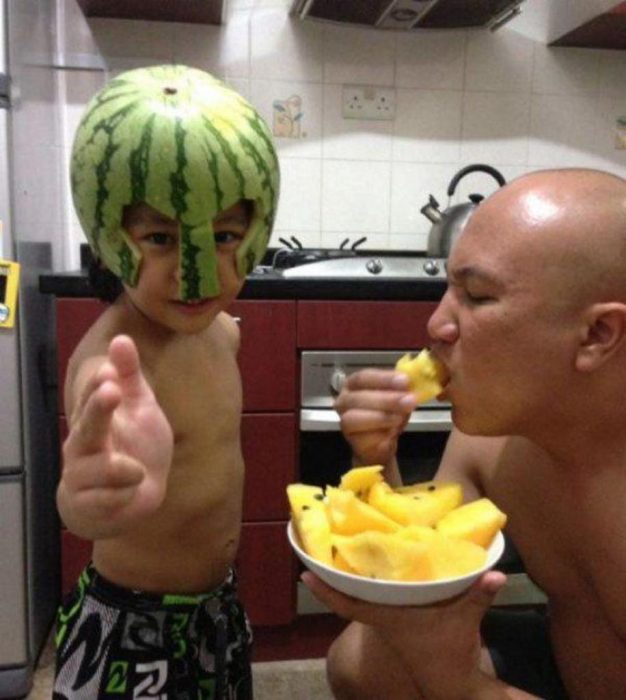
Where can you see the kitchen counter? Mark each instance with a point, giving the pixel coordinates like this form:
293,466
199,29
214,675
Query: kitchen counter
271,285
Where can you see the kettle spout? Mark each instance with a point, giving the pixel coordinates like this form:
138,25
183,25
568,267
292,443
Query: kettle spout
431,210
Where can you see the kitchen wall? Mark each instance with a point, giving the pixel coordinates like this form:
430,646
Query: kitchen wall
461,97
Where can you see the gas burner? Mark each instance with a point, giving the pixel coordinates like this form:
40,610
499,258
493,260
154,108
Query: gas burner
295,254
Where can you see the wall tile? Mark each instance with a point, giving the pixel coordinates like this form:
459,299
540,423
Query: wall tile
355,199
299,205
411,186
428,126
284,48
355,55
224,50
495,127
431,59
293,111
565,131
502,61
121,38
612,72
353,138
565,71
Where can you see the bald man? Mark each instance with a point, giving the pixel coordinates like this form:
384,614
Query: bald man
532,329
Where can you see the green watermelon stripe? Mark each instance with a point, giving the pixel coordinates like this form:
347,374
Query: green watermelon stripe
139,162
227,152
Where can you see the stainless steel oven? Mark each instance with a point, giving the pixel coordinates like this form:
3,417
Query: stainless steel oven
324,454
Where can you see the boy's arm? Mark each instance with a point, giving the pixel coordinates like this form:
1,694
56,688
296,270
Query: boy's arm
117,456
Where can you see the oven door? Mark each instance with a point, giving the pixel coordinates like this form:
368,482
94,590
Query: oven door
325,454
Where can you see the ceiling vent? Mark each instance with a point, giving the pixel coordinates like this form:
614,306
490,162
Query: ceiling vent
411,14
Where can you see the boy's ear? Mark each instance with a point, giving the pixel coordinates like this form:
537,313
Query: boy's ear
604,333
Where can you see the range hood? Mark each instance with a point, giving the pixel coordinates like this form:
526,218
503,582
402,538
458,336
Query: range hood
411,14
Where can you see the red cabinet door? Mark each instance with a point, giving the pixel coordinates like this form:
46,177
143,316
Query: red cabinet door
356,325
267,356
74,318
267,574
269,450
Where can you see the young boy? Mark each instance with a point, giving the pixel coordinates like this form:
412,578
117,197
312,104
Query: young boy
175,181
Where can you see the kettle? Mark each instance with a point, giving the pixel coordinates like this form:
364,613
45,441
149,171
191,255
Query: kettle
448,224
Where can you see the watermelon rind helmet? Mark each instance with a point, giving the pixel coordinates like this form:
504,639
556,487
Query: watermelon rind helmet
181,141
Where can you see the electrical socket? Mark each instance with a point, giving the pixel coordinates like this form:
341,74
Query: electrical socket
368,102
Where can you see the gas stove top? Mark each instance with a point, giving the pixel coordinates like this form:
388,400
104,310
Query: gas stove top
351,264
365,267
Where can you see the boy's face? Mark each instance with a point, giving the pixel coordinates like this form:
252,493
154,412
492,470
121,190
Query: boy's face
156,295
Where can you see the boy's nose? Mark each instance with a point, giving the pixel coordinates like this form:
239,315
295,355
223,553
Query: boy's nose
442,325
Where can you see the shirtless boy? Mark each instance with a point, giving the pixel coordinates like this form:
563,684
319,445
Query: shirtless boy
152,467
532,329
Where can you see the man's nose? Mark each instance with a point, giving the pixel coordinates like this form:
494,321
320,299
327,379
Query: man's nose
442,325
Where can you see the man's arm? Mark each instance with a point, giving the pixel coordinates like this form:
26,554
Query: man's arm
117,456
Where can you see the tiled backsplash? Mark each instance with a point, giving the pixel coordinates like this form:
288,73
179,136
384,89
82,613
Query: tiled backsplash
462,97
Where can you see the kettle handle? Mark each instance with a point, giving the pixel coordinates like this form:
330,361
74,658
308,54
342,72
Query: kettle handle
475,168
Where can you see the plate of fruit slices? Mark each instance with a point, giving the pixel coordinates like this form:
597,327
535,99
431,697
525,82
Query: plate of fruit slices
410,545
394,592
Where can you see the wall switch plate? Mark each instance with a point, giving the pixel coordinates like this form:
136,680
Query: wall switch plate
368,102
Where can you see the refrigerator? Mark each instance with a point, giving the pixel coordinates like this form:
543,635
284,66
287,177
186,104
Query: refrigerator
29,527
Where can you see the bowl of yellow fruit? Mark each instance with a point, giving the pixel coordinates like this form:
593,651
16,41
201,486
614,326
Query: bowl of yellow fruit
411,545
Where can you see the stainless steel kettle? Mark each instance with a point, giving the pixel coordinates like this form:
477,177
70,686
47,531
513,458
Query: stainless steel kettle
448,224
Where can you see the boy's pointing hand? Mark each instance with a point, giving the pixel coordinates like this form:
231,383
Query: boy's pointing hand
119,449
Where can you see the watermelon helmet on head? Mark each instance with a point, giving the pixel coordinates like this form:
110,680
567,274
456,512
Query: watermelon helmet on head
183,142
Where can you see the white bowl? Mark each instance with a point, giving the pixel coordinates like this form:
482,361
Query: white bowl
394,592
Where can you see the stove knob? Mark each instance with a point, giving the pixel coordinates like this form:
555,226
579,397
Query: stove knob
337,379
374,265
431,267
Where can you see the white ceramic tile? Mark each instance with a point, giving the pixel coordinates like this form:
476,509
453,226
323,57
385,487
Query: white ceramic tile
416,242
36,120
427,126
280,103
358,55
299,204
122,38
355,196
495,127
565,71
222,50
610,136
411,186
284,48
612,70
500,61
44,205
74,31
565,131
352,138
431,59
79,88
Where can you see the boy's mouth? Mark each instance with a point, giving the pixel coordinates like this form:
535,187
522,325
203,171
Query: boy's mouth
192,305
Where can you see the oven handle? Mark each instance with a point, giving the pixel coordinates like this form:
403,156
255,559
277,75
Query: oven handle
327,420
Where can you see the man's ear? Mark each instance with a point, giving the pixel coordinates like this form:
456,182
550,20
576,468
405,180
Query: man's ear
604,333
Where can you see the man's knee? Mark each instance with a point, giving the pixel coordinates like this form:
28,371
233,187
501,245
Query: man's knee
360,666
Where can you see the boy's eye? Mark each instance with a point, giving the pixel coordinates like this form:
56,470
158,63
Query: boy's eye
226,237
475,298
160,239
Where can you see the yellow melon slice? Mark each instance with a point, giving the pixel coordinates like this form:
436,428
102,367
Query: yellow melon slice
477,522
449,493
361,479
348,515
448,557
426,374
310,520
386,556
414,509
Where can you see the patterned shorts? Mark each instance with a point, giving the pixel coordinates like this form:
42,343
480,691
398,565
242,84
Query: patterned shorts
119,644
